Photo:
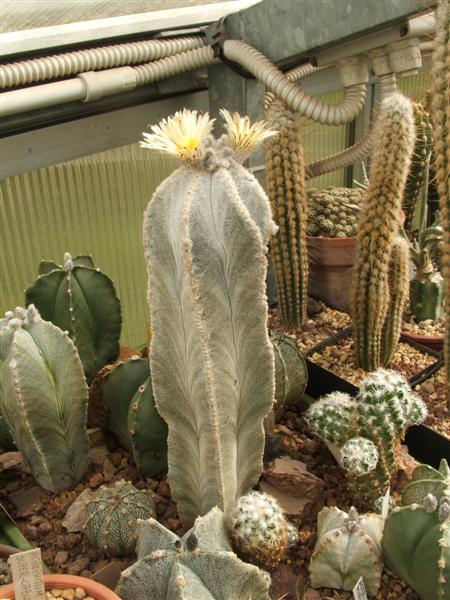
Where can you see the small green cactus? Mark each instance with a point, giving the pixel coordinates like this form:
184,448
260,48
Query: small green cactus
200,565
348,547
334,212
364,432
112,517
291,373
416,541
259,530
132,415
43,396
378,297
82,300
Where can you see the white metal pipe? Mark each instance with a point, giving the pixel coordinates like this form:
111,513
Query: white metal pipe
50,94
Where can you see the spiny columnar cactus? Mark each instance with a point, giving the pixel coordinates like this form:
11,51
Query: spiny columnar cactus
132,415
286,189
440,116
259,530
334,211
43,395
82,300
112,517
199,565
348,547
364,432
378,228
206,230
291,373
416,541
418,172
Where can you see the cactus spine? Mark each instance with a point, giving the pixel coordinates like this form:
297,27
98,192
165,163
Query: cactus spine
441,130
287,193
206,232
43,395
200,565
82,300
348,547
365,432
416,541
112,517
378,228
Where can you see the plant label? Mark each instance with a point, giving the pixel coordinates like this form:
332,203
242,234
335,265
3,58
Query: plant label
27,574
359,591
385,504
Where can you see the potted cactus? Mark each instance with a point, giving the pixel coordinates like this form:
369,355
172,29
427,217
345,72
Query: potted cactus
67,582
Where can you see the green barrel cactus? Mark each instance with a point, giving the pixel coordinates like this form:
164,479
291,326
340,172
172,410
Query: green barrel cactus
416,541
364,433
82,300
112,517
43,396
334,212
348,547
291,372
132,415
199,565
377,296
440,117
285,166
259,530
206,232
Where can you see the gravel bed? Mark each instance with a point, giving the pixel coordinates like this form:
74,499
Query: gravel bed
425,328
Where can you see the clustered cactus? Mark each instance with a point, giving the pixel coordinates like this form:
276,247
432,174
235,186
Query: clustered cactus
416,541
112,517
43,397
82,300
132,415
285,167
291,372
348,547
364,432
212,364
381,280
199,565
259,530
440,115
334,211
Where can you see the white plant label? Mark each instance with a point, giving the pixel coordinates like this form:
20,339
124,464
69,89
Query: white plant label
27,574
385,504
359,591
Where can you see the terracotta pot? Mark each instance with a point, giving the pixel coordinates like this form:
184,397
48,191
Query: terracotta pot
331,263
61,582
435,342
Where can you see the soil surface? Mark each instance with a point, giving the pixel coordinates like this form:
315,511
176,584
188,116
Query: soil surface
40,514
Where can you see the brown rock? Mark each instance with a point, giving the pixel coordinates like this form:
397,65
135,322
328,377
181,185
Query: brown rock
405,462
108,470
78,565
75,516
61,557
283,582
10,460
95,480
27,501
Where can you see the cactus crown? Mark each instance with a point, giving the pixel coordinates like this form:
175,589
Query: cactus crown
111,517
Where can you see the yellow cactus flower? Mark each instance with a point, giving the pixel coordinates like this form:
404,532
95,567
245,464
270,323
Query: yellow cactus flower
243,136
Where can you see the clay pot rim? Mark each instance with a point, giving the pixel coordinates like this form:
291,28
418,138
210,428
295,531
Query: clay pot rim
64,581
332,240
418,337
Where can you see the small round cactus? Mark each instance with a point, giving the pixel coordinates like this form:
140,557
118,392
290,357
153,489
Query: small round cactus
259,530
111,518
359,455
334,211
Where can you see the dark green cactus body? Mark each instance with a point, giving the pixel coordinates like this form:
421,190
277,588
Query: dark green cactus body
416,540
378,249
81,300
201,565
426,298
132,415
111,518
6,438
291,373
43,396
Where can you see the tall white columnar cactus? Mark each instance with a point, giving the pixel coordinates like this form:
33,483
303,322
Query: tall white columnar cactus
206,232
43,396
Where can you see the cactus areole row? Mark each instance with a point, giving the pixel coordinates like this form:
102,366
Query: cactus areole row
206,232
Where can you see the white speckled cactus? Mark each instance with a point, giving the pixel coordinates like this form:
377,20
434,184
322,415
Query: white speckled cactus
43,396
259,530
348,547
364,432
206,232
198,566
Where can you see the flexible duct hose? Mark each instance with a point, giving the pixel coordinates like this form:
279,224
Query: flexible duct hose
295,75
92,59
358,151
294,97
